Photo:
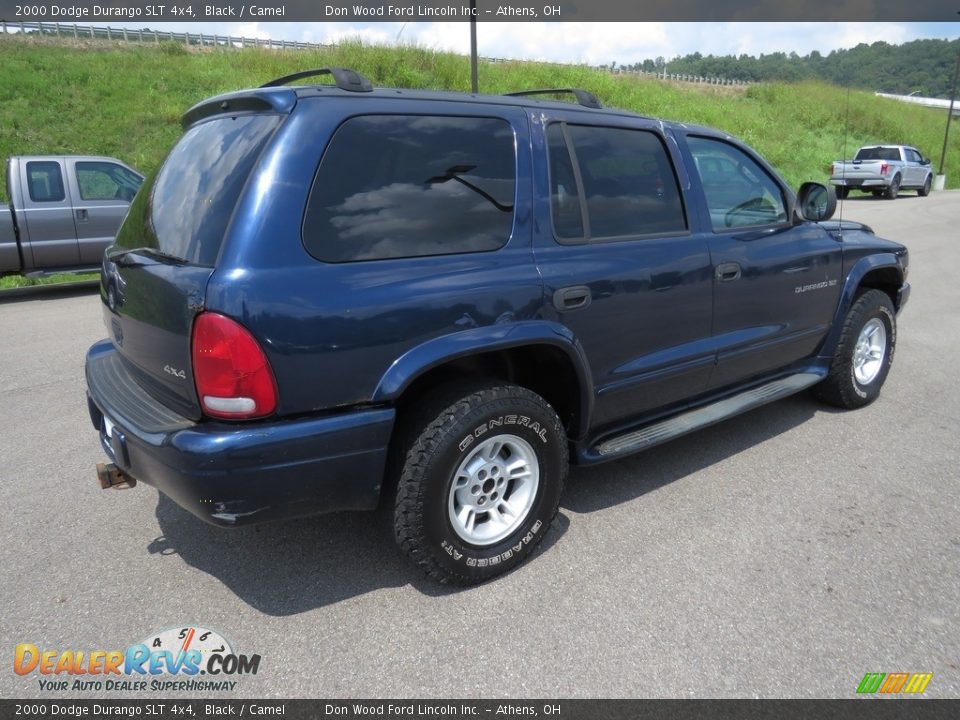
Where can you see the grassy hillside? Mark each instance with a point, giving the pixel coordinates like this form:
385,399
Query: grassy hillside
126,100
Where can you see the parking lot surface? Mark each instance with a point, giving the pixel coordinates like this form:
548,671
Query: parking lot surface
783,553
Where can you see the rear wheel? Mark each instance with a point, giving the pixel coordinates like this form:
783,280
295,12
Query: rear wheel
925,190
893,189
864,353
842,192
480,483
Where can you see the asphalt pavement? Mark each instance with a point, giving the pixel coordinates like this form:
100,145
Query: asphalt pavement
784,553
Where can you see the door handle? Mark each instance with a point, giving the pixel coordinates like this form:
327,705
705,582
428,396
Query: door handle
572,298
728,271
82,214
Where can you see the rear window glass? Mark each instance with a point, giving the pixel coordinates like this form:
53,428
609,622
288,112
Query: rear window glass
186,208
878,153
392,186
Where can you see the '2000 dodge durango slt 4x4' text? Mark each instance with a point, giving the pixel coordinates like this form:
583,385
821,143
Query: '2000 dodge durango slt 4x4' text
334,295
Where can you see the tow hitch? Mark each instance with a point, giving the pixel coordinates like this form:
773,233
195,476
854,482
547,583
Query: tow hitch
110,476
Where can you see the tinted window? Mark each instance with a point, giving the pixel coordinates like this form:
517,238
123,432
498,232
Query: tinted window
186,207
394,186
738,191
564,196
106,181
626,178
45,181
878,153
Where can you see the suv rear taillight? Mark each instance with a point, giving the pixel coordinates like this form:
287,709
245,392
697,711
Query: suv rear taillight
234,380
883,168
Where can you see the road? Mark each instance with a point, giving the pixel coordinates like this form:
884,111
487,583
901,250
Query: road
783,553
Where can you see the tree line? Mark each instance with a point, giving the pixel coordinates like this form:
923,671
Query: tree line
922,67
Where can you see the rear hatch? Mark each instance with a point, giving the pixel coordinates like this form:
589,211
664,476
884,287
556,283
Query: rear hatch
155,275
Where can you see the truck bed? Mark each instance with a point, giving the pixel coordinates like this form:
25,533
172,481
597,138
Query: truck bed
9,255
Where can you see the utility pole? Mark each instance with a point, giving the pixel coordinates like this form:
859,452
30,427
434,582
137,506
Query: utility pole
473,47
953,97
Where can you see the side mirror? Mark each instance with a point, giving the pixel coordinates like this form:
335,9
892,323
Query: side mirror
925,161
816,202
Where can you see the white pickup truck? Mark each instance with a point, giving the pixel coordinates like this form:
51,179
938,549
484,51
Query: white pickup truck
883,170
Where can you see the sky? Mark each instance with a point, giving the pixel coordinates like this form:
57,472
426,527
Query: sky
592,43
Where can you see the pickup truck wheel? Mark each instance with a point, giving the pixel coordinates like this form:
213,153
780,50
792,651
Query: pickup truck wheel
864,353
893,189
842,191
925,190
480,483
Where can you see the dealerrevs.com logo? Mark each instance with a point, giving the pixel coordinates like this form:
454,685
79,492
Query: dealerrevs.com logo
187,658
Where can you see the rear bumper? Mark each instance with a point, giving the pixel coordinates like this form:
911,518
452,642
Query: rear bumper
236,474
860,182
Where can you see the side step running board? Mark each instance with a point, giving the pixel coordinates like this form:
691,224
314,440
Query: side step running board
701,417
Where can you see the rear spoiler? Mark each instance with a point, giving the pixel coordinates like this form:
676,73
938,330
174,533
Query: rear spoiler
278,100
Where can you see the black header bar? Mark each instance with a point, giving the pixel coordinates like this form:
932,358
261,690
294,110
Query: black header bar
177,709
139,11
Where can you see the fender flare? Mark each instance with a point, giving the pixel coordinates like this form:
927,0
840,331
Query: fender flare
505,336
860,270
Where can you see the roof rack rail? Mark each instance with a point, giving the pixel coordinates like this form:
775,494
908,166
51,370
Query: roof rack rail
587,99
345,79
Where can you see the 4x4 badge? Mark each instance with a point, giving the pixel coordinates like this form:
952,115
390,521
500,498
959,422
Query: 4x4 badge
173,371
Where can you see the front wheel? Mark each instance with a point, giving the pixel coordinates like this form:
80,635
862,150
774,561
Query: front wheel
864,353
925,190
481,482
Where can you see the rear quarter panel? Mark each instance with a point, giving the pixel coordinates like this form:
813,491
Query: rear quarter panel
332,331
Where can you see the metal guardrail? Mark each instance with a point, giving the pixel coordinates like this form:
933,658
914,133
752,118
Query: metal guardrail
682,77
92,32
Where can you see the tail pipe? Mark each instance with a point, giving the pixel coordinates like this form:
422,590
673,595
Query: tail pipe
110,476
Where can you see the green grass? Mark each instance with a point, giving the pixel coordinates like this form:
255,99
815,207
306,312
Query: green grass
19,281
126,100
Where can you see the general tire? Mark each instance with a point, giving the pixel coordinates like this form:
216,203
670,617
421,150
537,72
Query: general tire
925,190
842,192
453,474
864,353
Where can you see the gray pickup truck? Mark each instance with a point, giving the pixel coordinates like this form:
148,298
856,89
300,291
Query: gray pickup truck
883,170
63,211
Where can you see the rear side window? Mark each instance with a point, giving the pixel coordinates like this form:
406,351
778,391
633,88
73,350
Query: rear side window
45,181
393,186
185,211
626,180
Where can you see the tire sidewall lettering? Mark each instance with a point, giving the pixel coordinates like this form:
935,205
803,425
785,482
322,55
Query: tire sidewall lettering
504,420
478,562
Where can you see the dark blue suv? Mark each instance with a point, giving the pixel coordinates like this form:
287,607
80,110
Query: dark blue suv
332,295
